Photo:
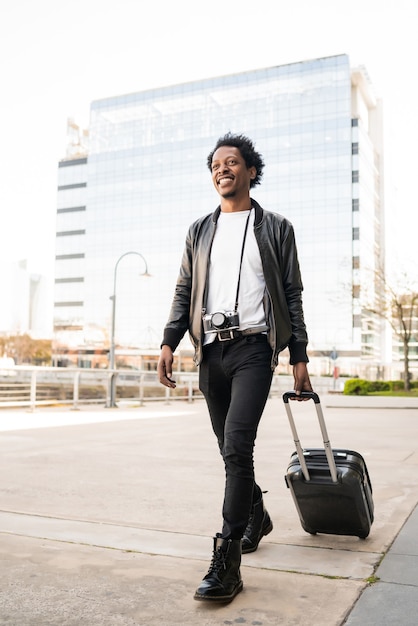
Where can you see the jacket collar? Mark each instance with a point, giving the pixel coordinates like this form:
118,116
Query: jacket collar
254,204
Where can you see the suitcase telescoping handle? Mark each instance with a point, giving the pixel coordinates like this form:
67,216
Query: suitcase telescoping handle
327,446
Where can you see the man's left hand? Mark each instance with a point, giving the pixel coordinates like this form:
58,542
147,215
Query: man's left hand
302,381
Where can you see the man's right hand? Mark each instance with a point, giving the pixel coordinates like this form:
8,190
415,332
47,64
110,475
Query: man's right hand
165,367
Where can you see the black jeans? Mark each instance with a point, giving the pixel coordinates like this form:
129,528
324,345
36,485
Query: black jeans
235,378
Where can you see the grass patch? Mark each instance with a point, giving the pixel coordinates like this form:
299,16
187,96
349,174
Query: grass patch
395,394
371,580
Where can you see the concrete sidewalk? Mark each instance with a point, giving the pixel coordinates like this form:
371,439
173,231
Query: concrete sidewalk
106,518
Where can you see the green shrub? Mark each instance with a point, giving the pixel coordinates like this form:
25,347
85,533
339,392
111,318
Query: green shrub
397,385
356,387
379,385
361,387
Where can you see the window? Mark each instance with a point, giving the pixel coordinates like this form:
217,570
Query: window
72,162
355,176
72,209
77,279
67,233
355,204
357,321
354,148
356,233
73,186
64,257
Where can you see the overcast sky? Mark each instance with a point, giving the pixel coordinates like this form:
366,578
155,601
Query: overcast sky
56,57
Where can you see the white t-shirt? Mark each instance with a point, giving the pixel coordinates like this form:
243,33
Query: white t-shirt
224,270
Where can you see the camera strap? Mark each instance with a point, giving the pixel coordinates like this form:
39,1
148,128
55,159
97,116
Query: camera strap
241,259
240,265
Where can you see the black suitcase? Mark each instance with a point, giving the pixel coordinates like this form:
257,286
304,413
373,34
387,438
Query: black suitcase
331,488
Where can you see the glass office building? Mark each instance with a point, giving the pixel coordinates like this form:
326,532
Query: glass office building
144,180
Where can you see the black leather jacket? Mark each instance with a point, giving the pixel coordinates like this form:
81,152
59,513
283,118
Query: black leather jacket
283,298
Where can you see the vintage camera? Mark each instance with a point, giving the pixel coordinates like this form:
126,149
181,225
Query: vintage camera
221,320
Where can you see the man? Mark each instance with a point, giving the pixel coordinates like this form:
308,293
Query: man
239,296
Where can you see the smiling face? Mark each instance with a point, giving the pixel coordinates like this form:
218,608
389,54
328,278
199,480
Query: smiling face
230,174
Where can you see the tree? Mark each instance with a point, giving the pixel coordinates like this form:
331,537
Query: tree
399,307
404,324
24,349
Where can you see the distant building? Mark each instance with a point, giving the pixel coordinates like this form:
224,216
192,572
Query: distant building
24,302
71,241
144,180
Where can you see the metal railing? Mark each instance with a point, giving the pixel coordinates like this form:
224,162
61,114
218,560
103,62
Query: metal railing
26,386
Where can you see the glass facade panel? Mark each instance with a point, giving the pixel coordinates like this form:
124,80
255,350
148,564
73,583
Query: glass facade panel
71,197
74,174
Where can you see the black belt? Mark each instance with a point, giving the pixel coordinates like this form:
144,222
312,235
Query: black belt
231,334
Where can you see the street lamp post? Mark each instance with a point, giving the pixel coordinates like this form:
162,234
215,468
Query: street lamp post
112,399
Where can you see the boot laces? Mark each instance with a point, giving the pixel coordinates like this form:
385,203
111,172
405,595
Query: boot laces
250,524
218,561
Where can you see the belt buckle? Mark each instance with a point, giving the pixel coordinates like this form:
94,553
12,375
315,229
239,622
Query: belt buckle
227,335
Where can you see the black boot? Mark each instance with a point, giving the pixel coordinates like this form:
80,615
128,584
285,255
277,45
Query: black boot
259,525
223,580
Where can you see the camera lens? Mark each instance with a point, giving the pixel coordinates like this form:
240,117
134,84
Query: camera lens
218,320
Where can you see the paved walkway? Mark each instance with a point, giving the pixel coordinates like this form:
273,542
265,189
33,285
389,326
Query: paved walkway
106,519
